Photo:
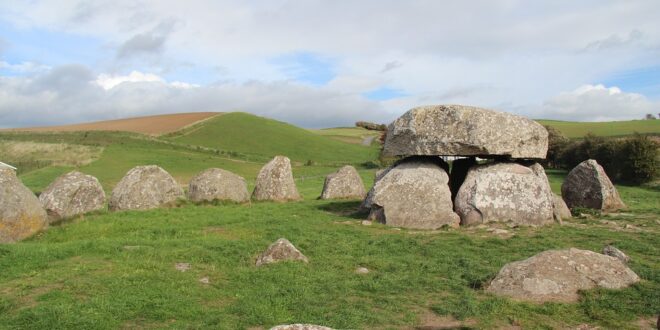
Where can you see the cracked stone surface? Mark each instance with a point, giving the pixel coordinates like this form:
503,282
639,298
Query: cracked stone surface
72,194
143,188
218,184
587,185
21,214
281,250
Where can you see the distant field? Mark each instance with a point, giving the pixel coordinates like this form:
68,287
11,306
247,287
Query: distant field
153,125
355,135
611,128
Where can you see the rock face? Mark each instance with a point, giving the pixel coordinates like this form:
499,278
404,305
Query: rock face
21,214
143,188
300,327
275,182
501,192
218,184
282,249
560,210
588,186
413,194
557,275
72,194
345,183
456,130
614,252
459,170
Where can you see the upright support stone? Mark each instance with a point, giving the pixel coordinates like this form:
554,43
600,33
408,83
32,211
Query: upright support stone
275,182
21,214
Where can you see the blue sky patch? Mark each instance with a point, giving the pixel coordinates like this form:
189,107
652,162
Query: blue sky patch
384,94
644,81
307,67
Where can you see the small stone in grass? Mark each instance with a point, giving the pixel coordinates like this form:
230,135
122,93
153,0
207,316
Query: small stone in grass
182,266
361,270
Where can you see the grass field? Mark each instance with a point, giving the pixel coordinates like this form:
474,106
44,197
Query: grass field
613,128
355,135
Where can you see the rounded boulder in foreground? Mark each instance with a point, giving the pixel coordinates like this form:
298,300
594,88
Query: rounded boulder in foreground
587,185
218,184
144,188
343,184
458,130
275,182
72,194
21,214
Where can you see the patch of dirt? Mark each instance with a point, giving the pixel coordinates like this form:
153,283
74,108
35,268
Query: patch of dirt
432,321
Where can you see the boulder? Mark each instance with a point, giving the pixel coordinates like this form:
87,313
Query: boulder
282,249
558,275
345,183
505,192
218,184
588,186
275,182
560,210
457,130
413,194
21,214
614,252
300,327
143,188
72,194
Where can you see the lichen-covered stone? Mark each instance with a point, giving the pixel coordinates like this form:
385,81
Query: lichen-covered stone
614,252
560,210
413,194
505,192
218,184
588,186
558,275
282,249
457,130
21,214
143,188
275,182
72,194
345,183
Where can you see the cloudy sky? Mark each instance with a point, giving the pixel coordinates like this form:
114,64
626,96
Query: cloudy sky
326,63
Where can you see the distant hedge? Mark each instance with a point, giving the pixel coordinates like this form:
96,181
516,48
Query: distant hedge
371,126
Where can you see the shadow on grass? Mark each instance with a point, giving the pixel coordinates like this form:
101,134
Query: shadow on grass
349,208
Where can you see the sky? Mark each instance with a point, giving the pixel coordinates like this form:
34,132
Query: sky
327,63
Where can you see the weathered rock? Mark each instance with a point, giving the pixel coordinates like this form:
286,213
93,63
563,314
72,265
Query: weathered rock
21,214
143,188
588,186
282,249
560,210
413,194
275,182
300,327
614,252
557,275
457,130
218,184
345,183
72,194
505,192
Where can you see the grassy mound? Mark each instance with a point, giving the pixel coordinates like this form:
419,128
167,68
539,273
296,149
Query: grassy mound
610,128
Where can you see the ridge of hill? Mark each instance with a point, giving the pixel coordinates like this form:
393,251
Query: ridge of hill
574,129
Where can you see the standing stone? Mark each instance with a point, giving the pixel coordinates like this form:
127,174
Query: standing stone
588,186
275,182
21,214
457,130
501,192
413,194
218,184
560,210
558,275
72,194
282,249
143,188
345,183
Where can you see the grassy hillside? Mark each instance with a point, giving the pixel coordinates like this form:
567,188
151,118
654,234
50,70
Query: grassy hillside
355,135
611,128
264,138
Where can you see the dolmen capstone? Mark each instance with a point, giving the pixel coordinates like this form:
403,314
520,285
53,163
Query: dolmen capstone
343,184
281,250
218,184
72,194
275,182
588,186
510,187
558,275
143,188
21,214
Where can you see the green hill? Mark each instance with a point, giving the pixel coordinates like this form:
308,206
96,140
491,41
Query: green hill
264,138
609,128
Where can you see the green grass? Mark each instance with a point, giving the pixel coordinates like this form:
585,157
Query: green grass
265,138
355,135
610,128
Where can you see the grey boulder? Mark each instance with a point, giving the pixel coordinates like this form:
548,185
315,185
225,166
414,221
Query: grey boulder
218,184
588,186
72,194
614,252
21,214
143,188
560,210
558,275
275,182
345,183
281,250
505,192
458,130
413,194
